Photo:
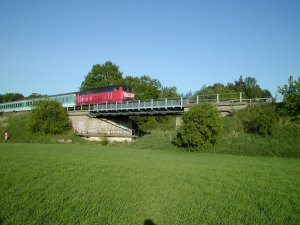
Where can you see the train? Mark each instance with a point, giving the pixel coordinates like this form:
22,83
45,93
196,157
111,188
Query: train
113,93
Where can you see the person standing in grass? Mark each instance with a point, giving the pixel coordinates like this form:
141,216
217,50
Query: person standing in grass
5,136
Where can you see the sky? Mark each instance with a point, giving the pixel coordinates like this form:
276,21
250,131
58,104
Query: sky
48,47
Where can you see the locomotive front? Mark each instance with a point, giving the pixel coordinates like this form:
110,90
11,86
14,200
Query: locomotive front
128,93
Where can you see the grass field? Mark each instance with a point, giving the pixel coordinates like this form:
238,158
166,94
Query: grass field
92,184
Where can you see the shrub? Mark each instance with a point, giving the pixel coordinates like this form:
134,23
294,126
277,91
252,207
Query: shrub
200,127
260,120
49,117
104,141
291,97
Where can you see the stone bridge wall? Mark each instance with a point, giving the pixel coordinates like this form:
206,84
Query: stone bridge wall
92,128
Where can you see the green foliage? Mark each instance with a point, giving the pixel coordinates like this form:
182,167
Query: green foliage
102,75
12,122
200,129
169,92
104,141
283,142
291,97
9,97
154,140
144,87
260,120
49,117
35,96
252,89
248,86
149,123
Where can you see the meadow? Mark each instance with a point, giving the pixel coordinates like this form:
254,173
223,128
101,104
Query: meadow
94,184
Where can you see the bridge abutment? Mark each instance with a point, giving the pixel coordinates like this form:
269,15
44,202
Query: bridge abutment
96,129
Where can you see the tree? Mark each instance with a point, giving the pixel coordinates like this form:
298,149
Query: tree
35,96
260,120
9,97
102,75
49,117
291,96
200,127
239,85
168,92
144,87
252,89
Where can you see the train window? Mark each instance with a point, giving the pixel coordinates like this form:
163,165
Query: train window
115,88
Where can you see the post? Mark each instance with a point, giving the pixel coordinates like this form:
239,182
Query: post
197,99
178,121
166,103
217,98
241,96
181,102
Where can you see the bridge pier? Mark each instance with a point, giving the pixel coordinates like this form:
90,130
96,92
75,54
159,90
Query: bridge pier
96,129
178,121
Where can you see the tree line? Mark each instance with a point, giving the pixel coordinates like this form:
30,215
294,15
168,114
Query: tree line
146,87
10,97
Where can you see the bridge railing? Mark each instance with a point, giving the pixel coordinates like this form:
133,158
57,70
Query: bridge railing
217,98
141,104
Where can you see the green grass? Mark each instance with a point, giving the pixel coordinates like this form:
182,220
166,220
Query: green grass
90,184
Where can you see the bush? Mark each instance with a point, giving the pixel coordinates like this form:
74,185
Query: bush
200,127
104,141
260,120
49,117
291,97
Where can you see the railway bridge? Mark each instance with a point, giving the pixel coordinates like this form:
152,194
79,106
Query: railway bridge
111,120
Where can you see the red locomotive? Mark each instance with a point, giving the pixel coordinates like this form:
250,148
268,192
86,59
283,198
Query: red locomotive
114,93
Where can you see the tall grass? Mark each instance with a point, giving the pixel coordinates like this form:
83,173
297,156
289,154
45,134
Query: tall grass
284,141
154,140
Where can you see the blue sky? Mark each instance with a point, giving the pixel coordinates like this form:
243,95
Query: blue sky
48,47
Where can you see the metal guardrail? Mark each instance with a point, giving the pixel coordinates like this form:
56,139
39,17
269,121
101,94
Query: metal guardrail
150,104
